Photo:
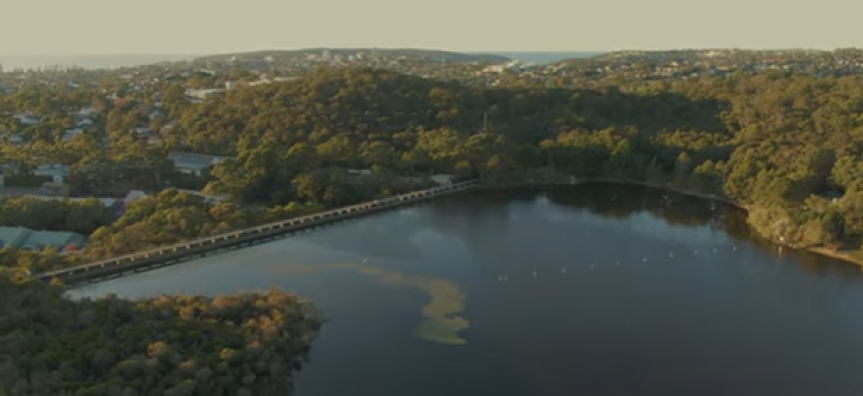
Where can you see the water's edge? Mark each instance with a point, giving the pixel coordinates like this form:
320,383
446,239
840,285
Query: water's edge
823,251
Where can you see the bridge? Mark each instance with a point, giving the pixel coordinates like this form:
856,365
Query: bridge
168,255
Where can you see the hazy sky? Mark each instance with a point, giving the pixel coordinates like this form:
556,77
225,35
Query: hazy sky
74,27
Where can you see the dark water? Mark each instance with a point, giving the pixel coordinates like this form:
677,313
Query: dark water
694,307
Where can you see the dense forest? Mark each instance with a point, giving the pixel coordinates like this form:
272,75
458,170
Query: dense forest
784,145
167,345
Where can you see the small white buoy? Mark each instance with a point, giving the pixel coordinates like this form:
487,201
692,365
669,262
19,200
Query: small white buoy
644,260
592,265
365,261
563,271
505,278
618,263
534,274
670,254
714,250
734,248
696,252
500,278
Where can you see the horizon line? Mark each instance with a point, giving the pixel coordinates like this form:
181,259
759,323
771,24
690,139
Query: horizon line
471,52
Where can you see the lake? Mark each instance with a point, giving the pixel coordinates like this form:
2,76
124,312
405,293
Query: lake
594,289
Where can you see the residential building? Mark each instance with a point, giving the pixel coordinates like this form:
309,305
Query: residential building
71,133
27,119
442,179
192,163
27,239
58,172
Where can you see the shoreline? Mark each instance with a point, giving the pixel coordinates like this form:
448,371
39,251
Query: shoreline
845,256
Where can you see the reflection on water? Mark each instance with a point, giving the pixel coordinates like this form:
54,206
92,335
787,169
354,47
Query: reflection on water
587,290
440,322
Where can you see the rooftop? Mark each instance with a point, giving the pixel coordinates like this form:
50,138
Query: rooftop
192,160
25,238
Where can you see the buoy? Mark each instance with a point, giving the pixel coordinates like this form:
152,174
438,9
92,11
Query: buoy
563,270
671,254
644,260
534,274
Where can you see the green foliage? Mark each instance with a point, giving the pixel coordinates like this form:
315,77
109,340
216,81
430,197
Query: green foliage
766,139
82,216
167,345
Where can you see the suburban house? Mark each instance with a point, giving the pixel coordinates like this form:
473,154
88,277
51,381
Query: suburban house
70,134
201,94
16,140
192,163
27,119
27,239
84,123
58,172
442,180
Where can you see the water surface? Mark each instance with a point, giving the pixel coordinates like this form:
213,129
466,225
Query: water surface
584,290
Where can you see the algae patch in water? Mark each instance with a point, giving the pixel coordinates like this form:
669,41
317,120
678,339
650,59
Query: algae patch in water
441,322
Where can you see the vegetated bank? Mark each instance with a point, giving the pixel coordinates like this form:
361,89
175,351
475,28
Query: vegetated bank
785,145
248,344
547,176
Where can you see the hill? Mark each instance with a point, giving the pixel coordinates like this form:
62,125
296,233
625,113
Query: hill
692,55
777,143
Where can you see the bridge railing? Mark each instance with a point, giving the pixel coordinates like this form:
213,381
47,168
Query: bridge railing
195,243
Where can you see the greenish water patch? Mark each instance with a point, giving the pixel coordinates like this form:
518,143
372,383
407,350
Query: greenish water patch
440,322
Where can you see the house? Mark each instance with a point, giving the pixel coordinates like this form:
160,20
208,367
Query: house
59,240
71,133
360,172
16,140
442,180
192,163
84,123
201,94
27,239
58,172
13,236
27,119
132,196
143,132
87,112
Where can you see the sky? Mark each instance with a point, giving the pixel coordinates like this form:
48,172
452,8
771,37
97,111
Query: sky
126,27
